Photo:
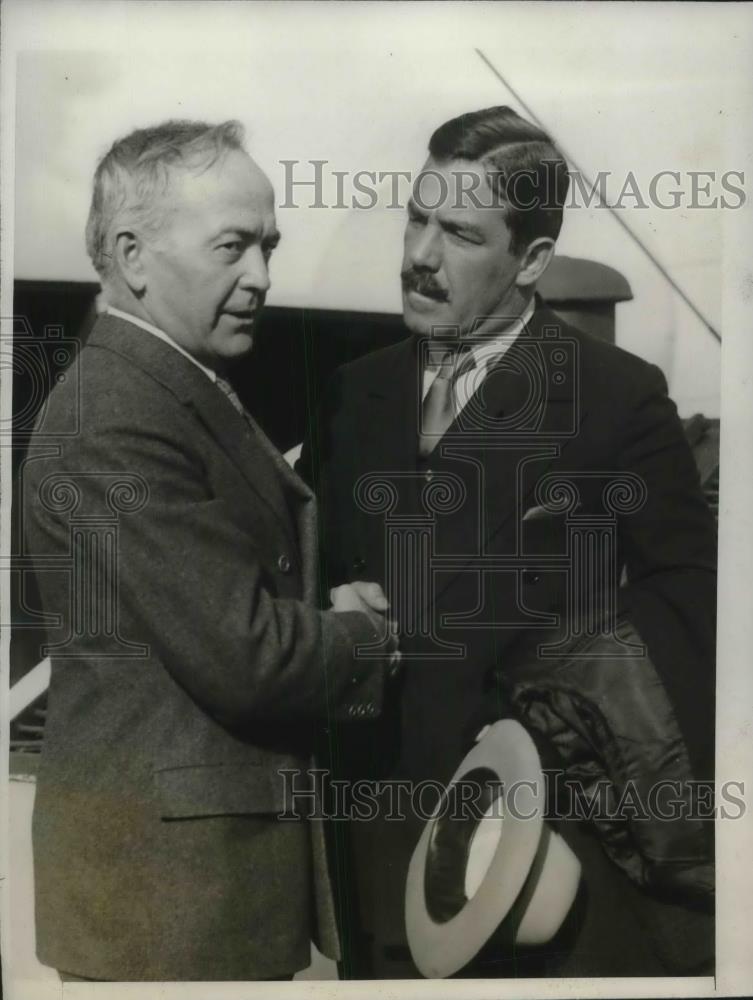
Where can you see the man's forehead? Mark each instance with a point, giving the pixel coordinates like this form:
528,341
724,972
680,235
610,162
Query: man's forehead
232,180
459,191
454,186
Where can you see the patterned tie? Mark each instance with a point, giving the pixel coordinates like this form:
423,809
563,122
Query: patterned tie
234,398
439,410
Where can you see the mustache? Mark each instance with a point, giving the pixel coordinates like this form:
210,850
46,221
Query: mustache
424,283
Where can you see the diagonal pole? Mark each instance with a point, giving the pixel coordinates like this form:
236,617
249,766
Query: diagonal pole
633,236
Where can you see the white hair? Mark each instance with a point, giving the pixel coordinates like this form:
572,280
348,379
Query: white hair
133,176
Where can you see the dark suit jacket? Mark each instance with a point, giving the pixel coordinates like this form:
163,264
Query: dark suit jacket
564,418
189,668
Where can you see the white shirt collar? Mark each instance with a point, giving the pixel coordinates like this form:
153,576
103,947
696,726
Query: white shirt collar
161,335
483,353
496,346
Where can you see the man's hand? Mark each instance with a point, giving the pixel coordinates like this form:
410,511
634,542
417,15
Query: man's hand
370,599
371,594
366,597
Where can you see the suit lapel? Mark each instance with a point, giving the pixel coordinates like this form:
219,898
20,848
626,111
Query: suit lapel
264,470
305,513
389,428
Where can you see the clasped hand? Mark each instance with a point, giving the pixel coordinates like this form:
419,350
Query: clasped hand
370,599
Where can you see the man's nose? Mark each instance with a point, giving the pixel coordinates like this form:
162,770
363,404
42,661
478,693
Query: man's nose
255,273
424,249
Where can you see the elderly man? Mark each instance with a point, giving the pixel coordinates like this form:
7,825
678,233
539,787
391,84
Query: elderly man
453,466
200,664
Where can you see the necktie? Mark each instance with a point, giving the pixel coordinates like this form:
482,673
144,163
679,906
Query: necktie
234,398
438,410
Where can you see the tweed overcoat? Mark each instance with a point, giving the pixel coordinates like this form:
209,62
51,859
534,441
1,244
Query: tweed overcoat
190,665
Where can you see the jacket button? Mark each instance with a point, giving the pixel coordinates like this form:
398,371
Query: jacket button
530,577
283,564
428,475
359,564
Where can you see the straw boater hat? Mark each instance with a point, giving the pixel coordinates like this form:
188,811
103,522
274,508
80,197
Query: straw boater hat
500,873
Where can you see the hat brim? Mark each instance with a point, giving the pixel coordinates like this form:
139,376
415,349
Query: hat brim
445,928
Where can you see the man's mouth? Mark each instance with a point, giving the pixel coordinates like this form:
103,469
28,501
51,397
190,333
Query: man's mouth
243,315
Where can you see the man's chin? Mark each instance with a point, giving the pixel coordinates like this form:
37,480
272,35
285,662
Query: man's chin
422,319
241,344
237,345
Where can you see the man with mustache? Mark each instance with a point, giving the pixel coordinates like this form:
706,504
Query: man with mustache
192,665
454,433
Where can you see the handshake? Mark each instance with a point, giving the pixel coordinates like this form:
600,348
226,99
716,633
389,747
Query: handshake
370,599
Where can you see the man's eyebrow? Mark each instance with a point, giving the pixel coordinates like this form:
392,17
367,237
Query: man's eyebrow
458,225
235,231
248,234
413,206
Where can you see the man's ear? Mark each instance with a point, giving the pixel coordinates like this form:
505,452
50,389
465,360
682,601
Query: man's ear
129,258
534,261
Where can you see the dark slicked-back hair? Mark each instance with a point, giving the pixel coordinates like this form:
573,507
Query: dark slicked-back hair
135,172
526,171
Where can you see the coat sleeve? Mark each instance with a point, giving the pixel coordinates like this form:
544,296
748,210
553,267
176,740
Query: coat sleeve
669,552
191,585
